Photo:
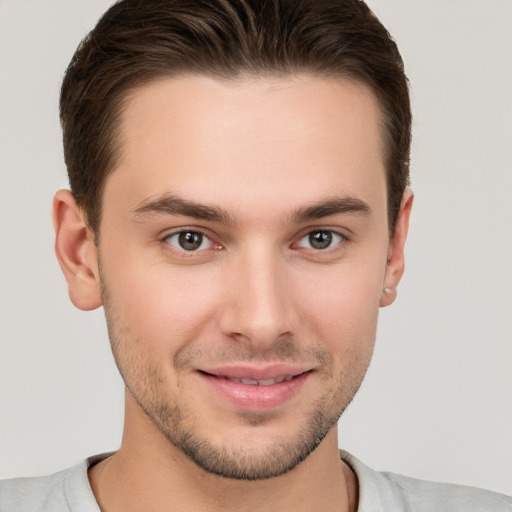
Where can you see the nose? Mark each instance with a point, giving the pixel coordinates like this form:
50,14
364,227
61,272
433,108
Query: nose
256,309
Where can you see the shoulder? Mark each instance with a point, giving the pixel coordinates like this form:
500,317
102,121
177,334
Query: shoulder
389,491
65,491
424,495
34,493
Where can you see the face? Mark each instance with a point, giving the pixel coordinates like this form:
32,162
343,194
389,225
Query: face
243,253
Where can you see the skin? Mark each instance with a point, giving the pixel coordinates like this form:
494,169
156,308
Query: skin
257,154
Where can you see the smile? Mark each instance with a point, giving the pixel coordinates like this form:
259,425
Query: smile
256,389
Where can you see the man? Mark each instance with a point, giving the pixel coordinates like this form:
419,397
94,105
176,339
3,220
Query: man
239,207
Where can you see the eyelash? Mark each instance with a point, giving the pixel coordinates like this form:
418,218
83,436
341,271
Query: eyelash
204,238
341,239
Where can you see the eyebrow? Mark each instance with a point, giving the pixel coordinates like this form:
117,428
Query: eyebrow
333,206
173,205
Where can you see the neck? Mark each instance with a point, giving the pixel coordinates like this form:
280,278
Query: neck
149,473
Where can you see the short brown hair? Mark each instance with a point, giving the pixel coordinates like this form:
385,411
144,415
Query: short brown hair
137,41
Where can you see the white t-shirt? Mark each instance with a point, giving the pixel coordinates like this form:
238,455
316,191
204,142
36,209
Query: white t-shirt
69,491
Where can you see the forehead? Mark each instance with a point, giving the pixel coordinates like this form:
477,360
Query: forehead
297,137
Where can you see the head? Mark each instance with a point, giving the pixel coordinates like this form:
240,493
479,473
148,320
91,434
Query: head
238,173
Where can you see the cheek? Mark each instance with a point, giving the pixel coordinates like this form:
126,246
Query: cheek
346,299
340,310
161,305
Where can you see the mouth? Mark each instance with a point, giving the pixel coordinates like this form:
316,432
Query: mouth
255,382
256,388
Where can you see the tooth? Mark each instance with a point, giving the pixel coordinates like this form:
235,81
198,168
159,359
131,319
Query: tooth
252,382
256,382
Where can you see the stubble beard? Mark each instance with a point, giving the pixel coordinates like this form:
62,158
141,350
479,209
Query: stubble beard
238,462
144,380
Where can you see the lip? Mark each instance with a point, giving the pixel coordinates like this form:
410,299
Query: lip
261,396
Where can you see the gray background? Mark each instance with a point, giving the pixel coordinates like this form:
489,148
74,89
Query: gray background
437,402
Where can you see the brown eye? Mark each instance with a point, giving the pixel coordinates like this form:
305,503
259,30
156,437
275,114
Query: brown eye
321,239
189,241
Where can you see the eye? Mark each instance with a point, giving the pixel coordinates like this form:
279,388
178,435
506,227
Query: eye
189,241
321,239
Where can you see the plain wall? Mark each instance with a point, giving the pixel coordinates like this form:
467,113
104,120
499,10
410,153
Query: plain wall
437,401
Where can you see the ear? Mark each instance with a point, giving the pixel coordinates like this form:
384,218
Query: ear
396,261
76,252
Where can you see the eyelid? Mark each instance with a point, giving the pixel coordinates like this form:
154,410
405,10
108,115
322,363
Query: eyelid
205,242
335,231
165,235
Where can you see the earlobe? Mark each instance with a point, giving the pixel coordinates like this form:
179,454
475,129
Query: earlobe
396,260
76,252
